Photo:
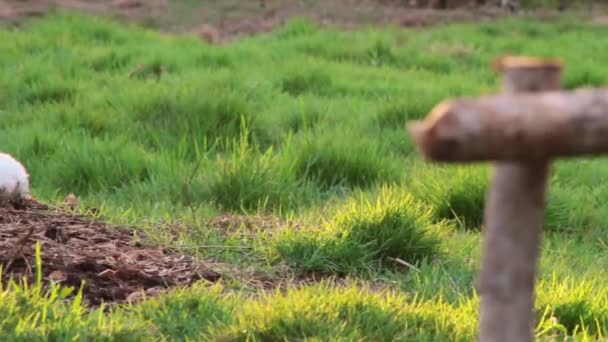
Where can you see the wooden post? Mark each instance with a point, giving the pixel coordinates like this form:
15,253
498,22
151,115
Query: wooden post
513,219
521,131
516,127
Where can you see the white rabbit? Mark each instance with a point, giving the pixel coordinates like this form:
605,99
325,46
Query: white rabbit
14,180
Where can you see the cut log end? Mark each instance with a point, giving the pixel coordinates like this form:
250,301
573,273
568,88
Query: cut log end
438,112
417,131
432,148
441,135
518,62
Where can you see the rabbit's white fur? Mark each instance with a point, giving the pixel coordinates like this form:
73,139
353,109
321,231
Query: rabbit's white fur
14,179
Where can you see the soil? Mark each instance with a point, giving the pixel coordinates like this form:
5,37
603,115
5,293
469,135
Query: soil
220,21
112,264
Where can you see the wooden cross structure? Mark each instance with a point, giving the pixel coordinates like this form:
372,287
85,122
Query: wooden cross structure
531,122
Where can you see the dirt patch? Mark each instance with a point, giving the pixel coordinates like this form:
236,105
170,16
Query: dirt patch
248,20
221,21
131,10
115,265
601,20
112,264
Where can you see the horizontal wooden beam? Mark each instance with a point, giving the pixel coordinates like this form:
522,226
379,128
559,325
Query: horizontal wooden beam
543,125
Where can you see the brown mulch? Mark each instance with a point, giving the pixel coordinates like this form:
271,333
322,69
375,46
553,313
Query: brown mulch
113,266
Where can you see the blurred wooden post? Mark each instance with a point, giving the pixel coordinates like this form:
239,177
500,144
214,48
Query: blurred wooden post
514,215
500,129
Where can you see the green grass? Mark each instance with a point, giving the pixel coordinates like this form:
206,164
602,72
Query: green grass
304,124
366,235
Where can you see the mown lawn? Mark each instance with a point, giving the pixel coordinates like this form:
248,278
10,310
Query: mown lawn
306,125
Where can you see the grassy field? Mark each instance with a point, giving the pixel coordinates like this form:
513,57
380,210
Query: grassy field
300,134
